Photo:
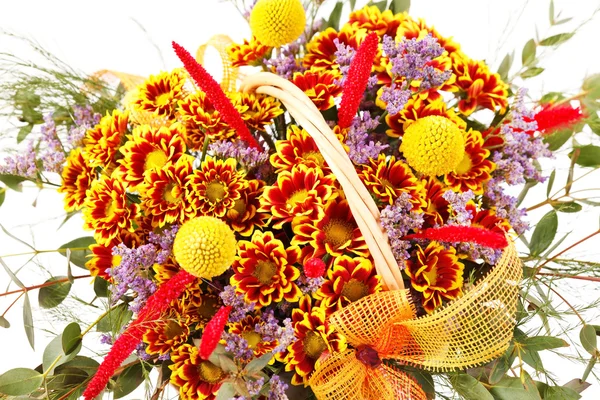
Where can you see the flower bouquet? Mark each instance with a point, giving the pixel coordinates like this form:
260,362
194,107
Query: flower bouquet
331,220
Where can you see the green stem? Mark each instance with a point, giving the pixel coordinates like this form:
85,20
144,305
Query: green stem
13,303
104,314
589,367
36,252
583,278
567,249
45,284
204,148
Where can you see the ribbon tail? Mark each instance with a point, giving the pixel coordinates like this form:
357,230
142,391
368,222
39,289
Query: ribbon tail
387,382
339,377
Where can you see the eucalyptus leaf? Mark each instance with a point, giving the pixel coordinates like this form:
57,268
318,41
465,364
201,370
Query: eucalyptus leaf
128,380
53,352
2,195
577,385
533,359
469,387
28,321
382,5
567,206
258,363
79,250
544,233
511,389
538,343
550,182
557,39
589,156
529,385
528,53
335,16
591,85
531,72
557,139
560,393
89,365
12,276
4,322
71,337
505,66
100,287
501,365
52,295
13,182
20,381
115,319
226,392
400,6
24,131
227,364
589,340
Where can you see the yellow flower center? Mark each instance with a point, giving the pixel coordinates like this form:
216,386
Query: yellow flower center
163,99
277,22
155,159
240,207
110,209
215,191
316,157
173,330
337,232
431,275
208,308
433,145
313,345
253,338
465,165
116,261
265,271
354,290
172,194
297,197
209,372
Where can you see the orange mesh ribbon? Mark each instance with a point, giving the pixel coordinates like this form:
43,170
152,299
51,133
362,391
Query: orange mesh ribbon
230,73
128,81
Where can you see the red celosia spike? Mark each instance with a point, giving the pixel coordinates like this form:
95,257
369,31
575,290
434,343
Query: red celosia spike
215,95
463,234
553,117
212,332
314,268
357,79
126,343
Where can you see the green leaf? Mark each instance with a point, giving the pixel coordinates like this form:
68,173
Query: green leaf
588,339
501,365
469,387
555,40
20,381
551,12
382,5
533,359
28,321
423,378
13,277
54,351
567,206
550,182
100,287
577,385
560,393
531,72
594,124
90,366
115,319
538,343
505,66
528,53
12,181
52,295
558,138
23,132
511,389
399,6
71,337
226,392
79,250
591,85
258,363
597,328
544,233
129,380
336,14
4,322
352,4
529,385
2,195
589,156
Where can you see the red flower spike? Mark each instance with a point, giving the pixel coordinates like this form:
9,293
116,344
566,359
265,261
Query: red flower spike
463,234
212,332
357,79
215,95
127,342
553,117
314,268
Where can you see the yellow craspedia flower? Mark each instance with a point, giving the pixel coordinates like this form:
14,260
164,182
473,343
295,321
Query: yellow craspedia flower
277,22
204,247
433,145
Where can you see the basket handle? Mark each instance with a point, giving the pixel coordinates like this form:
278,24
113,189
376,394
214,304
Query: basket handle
361,203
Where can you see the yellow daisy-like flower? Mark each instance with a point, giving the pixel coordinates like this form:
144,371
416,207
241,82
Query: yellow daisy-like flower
167,333
247,53
277,22
204,247
433,145
159,94
197,379
475,169
77,177
261,109
102,141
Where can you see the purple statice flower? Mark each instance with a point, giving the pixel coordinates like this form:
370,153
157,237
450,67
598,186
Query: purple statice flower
248,157
164,240
21,164
53,154
475,252
284,62
398,220
248,10
270,330
84,118
238,346
343,57
277,389
506,205
361,148
254,386
106,338
131,274
395,97
309,285
239,306
164,357
140,351
458,203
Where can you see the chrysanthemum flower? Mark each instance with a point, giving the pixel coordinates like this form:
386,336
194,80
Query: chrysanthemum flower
77,177
333,231
214,188
433,145
417,29
107,210
264,270
102,142
244,216
150,148
277,22
163,192
167,333
247,329
201,118
247,53
387,178
313,337
373,20
480,87
475,169
349,279
301,192
298,148
260,109
436,273
204,246
159,93
320,86
196,378
320,51
436,208
488,219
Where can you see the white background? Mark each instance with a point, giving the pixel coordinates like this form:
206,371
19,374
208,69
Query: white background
135,36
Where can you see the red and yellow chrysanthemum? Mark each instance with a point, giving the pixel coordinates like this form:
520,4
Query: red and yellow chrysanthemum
244,216
373,20
260,109
333,231
436,273
102,142
348,279
418,29
314,336
321,86
246,328
107,210
435,212
102,260
298,148
214,188
487,219
264,270
387,178
320,51
197,379
149,148
301,192
247,53
77,177
159,94
475,168
167,333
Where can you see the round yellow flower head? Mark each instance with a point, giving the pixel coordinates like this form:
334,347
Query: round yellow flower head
277,22
433,145
204,247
